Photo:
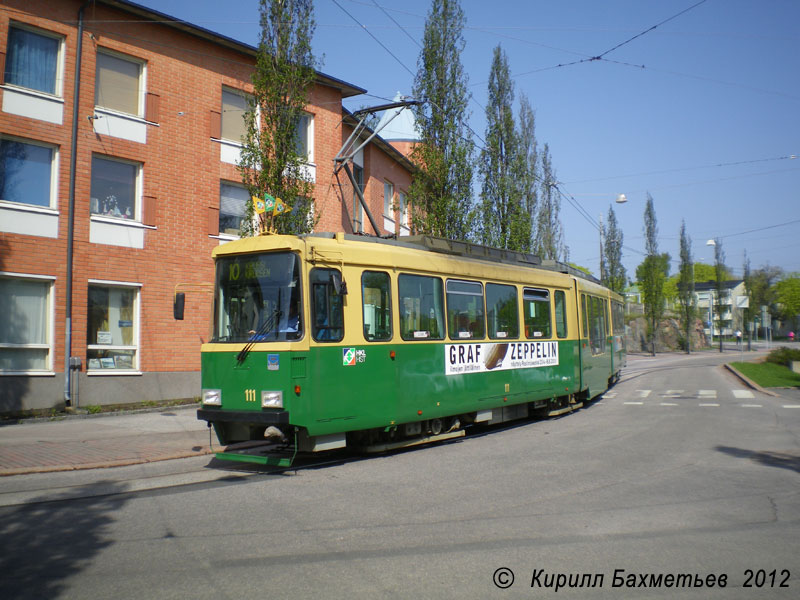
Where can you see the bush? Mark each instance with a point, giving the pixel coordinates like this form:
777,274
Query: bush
783,356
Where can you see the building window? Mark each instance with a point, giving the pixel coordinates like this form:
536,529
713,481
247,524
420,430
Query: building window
358,210
111,332
234,106
304,138
25,329
388,197
33,60
232,207
402,205
26,172
119,83
115,186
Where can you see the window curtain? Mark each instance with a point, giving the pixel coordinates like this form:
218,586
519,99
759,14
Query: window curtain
23,305
31,60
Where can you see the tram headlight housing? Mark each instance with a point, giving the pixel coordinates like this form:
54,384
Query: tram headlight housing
212,397
271,399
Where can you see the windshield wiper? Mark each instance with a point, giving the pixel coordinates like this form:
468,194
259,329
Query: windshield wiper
257,335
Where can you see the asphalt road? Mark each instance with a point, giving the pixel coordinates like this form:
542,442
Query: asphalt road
679,469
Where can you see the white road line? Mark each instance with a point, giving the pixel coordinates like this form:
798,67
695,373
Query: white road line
752,406
707,393
610,395
635,403
743,394
672,394
791,406
708,404
644,393
669,404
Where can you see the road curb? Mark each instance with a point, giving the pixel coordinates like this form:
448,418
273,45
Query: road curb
749,382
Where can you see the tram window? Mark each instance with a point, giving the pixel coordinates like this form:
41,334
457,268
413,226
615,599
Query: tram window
465,315
617,318
585,311
597,324
327,314
376,298
560,301
501,311
536,305
421,307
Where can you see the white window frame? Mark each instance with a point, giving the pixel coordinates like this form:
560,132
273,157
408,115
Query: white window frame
141,92
54,163
388,211
50,310
309,159
59,83
137,194
136,347
223,235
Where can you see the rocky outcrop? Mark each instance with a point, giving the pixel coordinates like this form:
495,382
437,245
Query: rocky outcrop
669,337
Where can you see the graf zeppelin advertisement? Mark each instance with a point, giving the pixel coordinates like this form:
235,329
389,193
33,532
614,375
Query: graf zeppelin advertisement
479,358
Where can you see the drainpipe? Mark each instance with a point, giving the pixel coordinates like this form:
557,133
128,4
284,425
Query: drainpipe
71,220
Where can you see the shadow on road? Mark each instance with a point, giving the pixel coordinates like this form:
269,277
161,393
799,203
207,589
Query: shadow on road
781,460
51,539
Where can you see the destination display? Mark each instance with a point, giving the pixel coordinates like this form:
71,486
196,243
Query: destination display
479,358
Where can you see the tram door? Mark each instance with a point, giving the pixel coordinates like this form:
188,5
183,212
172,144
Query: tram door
595,351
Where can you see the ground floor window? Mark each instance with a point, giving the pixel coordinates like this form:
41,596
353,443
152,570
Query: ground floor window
232,207
112,327
26,324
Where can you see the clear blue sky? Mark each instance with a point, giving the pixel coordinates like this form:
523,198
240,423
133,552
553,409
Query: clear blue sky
703,111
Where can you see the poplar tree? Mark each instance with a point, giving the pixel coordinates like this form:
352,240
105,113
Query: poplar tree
615,276
686,287
503,220
549,240
441,193
651,274
273,157
529,154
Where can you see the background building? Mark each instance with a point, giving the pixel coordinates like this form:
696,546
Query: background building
116,184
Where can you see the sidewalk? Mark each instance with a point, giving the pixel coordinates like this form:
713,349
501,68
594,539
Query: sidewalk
97,441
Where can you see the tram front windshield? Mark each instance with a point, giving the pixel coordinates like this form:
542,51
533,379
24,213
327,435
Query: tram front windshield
257,298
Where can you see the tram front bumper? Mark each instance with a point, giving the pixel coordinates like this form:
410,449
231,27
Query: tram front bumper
273,417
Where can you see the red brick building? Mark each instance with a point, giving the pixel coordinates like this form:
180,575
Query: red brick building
117,184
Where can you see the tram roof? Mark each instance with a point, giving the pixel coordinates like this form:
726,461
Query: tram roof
426,243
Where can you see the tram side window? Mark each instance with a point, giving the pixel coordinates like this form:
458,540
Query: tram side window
501,311
560,301
617,318
597,324
421,305
536,305
376,298
327,300
465,315
585,312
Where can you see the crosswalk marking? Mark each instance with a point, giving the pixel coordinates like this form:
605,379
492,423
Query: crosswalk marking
791,406
669,404
610,395
635,403
672,394
752,405
707,393
643,393
708,404
743,394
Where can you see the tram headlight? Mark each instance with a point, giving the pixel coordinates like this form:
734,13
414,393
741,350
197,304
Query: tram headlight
271,399
212,397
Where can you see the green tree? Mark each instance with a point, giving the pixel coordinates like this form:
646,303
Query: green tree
614,275
704,272
441,192
273,152
549,240
685,283
787,292
504,221
529,151
763,289
651,274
